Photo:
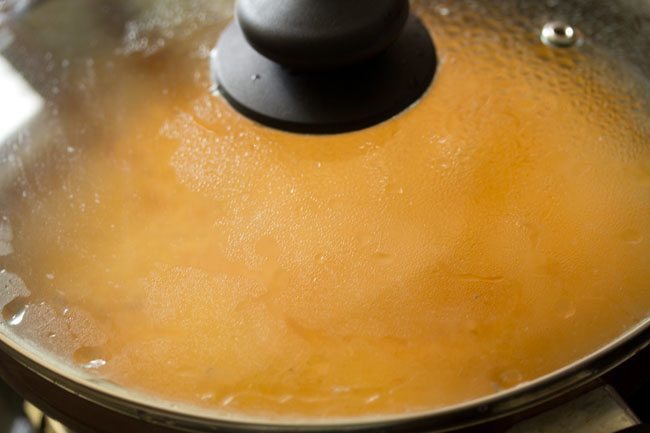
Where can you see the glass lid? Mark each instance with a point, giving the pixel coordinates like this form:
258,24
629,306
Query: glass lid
491,232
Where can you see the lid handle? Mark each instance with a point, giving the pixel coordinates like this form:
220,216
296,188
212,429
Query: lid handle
321,34
323,66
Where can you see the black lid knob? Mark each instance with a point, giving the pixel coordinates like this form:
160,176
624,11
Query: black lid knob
316,34
323,66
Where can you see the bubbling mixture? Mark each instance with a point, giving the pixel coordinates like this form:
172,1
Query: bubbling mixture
495,232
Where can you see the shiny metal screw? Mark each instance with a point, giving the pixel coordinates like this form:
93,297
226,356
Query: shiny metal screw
557,34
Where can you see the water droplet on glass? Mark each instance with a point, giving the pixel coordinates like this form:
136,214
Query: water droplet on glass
207,396
95,364
49,276
89,358
17,318
372,398
255,77
15,311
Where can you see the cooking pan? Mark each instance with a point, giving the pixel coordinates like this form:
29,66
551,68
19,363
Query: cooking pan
95,31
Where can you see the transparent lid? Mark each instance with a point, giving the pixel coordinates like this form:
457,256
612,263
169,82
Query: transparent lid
154,237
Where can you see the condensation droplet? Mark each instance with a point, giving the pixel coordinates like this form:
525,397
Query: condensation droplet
207,396
373,398
95,364
90,358
15,311
17,318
